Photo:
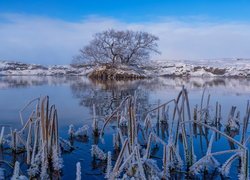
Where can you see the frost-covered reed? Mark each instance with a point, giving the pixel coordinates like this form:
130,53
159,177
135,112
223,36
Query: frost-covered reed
1,135
135,157
78,171
169,129
38,138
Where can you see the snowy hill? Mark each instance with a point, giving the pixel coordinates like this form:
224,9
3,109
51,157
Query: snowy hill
18,68
174,68
201,68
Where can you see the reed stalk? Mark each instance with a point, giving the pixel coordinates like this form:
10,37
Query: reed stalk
1,136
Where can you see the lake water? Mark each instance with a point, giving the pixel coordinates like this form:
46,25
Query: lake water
74,98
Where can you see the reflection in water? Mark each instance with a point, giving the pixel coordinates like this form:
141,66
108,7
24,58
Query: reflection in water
28,81
242,85
107,96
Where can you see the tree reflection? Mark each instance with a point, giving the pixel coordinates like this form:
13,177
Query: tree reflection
107,95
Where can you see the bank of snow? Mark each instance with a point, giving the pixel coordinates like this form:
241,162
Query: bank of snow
172,68
18,68
200,68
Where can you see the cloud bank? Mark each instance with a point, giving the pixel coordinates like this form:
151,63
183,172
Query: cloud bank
43,40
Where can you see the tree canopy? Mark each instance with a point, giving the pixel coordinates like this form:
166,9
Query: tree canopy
114,47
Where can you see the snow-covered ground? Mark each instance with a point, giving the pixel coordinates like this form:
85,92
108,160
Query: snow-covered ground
17,68
198,68
201,68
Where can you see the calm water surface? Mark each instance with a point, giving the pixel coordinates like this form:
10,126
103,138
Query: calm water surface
74,97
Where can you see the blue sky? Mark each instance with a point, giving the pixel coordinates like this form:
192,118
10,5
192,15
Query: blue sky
52,31
131,10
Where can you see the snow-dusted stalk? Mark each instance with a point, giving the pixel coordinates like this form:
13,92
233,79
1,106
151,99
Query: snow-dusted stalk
44,120
14,140
82,131
206,162
192,154
28,144
42,145
165,161
207,108
71,131
116,141
244,172
121,138
114,113
34,169
109,166
132,126
98,153
44,167
147,154
38,107
152,138
219,114
209,149
78,171
140,165
221,133
153,168
118,118
27,105
36,133
225,169
1,135
245,124
16,171
195,113
120,157
158,119
136,159
233,122
57,159
181,117
201,105
216,112
147,124
165,114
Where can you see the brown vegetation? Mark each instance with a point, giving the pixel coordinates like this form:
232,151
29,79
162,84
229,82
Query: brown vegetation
110,72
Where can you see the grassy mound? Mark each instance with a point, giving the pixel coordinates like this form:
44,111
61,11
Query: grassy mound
117,72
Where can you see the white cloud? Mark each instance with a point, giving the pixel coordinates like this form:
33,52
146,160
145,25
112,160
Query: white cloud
52,41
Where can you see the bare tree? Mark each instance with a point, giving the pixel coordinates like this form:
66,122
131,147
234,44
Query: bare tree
114,47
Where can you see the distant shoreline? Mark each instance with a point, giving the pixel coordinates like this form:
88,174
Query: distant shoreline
219,68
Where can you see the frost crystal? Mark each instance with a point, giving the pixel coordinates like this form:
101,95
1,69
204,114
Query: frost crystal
82,131
208,162
98,153
16,171
71,130
57,160
78,171
109,166
1,136
65,145
153,168
227,165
